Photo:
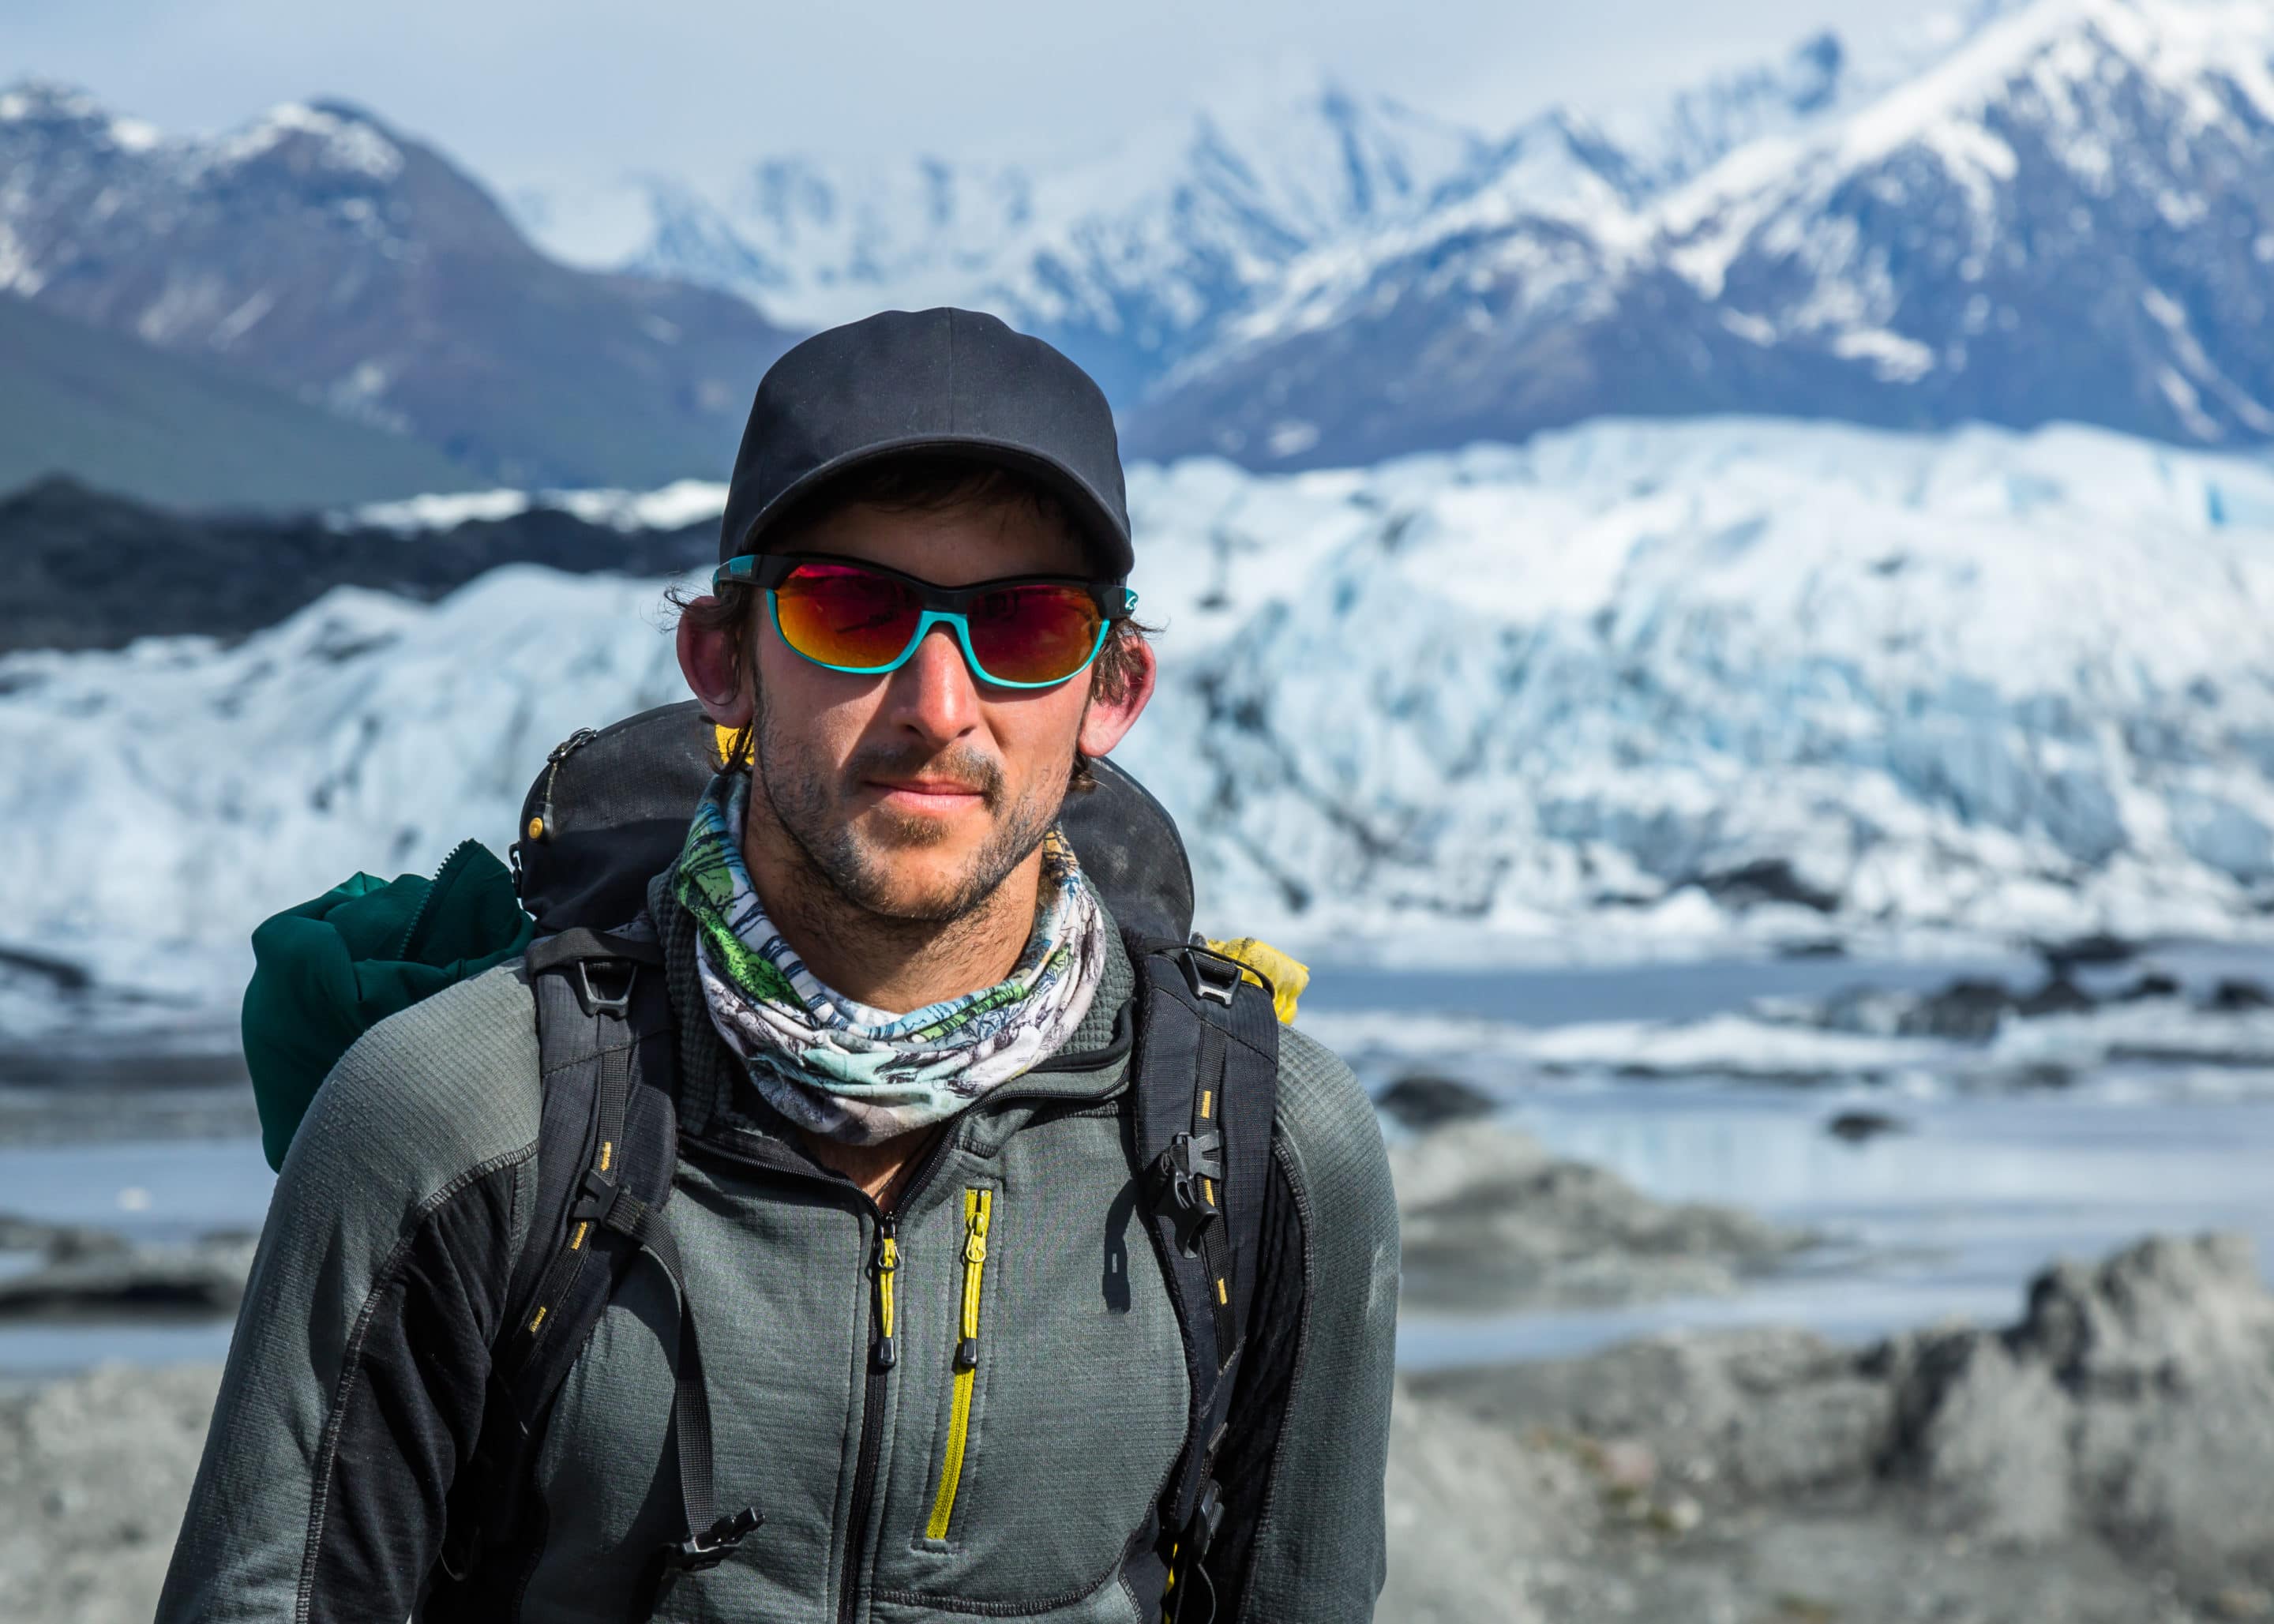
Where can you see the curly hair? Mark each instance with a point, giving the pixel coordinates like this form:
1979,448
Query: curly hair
914,484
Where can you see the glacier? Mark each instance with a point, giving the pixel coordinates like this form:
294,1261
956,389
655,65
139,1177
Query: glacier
1635,689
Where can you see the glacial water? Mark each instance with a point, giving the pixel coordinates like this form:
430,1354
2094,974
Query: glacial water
1948,1216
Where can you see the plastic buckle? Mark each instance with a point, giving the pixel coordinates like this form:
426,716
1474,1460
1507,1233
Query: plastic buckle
592,1002
715,1544
1191,1548
456,1555
1191,1157
1208,1516
1211,976
596,1197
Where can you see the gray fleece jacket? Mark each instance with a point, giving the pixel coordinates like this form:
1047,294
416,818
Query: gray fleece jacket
360,1371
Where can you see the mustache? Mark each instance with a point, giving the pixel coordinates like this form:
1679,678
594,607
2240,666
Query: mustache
963,766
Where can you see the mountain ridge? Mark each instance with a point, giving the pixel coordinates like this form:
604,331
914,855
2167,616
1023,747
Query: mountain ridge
112,410
2036,210
1124,261
319,252
2051,209
2065,214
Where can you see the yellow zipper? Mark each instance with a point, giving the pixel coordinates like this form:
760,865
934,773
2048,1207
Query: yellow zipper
888,1264
978,1209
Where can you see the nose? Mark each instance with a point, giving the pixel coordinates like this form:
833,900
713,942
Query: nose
933,696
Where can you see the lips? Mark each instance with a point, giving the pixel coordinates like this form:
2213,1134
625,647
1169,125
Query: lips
907,779
936,794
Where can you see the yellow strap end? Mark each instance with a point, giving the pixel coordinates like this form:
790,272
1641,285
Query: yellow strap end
1263,962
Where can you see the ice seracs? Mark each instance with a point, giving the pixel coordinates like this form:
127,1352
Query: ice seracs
1633,688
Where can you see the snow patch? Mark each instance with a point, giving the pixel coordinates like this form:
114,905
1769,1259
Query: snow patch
416,513
1754,329
345,143
1896,359
673,507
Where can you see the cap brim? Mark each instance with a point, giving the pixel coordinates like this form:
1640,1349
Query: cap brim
1101,531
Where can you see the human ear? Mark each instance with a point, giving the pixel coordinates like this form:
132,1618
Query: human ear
709,659
1107,721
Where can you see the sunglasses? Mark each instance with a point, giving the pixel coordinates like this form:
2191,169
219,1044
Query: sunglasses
1026,631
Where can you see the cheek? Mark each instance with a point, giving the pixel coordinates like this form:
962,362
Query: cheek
810,712
1037,735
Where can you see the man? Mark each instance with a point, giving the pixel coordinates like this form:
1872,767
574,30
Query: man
902,1055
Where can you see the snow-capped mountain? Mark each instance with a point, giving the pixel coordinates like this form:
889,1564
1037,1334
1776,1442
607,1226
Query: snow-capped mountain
1629,685
1137,262
318,251
1127,263
2068,211
2051,209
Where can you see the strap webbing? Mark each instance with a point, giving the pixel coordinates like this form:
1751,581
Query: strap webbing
572,946
1208,1106
1205,1101
710,1536
614,1046
603,1026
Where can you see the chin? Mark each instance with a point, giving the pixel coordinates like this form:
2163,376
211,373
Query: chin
929,877
886,831
927,899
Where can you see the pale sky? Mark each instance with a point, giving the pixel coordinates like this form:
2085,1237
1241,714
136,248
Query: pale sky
556,93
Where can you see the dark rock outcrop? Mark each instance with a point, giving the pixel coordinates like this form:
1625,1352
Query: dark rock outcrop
1491,1222
84,1274
1423,1101
62,547
1858,1127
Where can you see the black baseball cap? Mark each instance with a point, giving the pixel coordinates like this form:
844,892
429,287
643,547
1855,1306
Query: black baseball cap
942,382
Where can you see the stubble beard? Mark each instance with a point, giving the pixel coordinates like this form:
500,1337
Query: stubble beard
856,863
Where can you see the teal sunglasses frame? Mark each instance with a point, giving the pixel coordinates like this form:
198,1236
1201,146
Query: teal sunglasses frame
939,605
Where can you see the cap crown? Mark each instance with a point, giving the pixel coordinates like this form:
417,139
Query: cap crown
946,381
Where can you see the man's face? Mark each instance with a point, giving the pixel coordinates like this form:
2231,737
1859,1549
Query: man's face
917,792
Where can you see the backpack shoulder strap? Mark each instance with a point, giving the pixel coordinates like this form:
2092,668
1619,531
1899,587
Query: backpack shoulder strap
608,1128
1204,1101
607,1153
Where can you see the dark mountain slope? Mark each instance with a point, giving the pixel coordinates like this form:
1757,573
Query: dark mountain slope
321,253
114,411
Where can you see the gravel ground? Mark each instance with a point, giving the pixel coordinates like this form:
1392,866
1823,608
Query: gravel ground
2105,1458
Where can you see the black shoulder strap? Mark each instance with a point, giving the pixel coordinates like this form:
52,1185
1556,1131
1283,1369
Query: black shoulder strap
607,1151
1205,1099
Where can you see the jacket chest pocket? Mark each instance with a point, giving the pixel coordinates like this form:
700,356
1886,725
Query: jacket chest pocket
1057,1399
968,1315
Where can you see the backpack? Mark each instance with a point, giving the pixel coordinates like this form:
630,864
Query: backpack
608,813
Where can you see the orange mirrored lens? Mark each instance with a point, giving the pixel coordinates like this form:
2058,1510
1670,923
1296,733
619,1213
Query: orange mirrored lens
843,616
1034,632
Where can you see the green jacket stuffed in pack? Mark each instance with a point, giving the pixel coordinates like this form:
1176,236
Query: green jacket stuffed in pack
327,972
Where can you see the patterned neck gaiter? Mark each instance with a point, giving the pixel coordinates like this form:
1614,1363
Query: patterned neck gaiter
856,1073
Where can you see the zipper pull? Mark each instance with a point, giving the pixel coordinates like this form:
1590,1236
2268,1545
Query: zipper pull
888,1264
575,741
974,1263
541,826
